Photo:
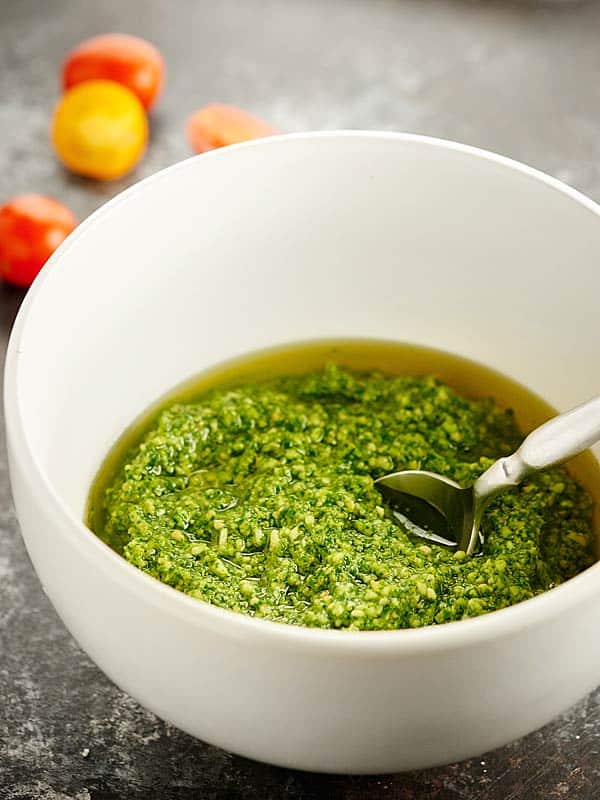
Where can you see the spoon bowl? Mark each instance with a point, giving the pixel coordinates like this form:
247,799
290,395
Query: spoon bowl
430,506
427,496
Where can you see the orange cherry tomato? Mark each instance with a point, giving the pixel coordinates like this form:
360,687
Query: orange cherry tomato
133,62
219,125
31,228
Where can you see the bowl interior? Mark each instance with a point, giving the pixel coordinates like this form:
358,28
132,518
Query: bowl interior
340,235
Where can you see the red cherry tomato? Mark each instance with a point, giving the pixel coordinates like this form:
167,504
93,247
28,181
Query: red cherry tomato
31,228
128,60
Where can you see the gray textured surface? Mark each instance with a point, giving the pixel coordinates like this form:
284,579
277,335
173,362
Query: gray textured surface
521,78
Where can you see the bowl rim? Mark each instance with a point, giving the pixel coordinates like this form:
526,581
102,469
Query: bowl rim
493,625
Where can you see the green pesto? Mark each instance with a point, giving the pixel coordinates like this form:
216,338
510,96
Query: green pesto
260,499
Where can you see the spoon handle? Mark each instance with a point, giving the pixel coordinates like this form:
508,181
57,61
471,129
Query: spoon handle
556,440
563,436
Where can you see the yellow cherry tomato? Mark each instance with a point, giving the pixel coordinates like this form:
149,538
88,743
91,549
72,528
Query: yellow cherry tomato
99,129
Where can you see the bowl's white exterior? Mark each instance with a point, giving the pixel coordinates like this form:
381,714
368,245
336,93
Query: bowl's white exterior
297,237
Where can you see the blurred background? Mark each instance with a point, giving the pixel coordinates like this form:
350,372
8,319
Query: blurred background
521,78
518,77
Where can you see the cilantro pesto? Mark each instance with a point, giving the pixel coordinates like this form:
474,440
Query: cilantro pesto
260,499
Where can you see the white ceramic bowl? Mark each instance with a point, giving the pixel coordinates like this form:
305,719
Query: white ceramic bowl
315,235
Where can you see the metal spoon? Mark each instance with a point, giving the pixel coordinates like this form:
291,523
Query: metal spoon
438,509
